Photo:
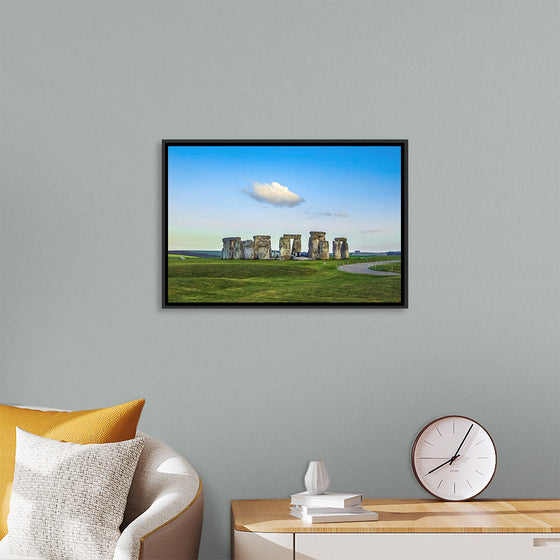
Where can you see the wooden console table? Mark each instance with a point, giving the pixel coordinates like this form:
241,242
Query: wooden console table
406,529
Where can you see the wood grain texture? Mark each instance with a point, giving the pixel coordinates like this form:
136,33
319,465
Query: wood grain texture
409,516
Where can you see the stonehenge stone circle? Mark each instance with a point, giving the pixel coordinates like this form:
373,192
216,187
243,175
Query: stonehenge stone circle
290,247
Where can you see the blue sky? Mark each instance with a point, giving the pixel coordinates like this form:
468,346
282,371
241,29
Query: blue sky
227,191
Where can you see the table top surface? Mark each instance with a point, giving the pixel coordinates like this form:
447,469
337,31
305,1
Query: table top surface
409,516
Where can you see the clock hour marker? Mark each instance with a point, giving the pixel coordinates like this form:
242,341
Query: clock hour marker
432,457
484,457
454,426
479,472
454,489
479,442
468,482
438,432
440,483
429,443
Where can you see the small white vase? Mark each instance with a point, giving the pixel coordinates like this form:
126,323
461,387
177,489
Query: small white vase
316,478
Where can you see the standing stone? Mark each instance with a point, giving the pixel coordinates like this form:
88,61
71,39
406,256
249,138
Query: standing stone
344,251
323,249
292,245
336,249
285,252
248,249
313,251
262,246
296,247
238,249
227,249
314,239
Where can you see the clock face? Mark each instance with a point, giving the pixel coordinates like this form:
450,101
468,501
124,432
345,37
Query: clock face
454,458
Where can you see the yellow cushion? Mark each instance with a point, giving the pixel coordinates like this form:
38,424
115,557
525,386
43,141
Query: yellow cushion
104,425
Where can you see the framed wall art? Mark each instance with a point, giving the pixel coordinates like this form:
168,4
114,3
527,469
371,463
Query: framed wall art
285,223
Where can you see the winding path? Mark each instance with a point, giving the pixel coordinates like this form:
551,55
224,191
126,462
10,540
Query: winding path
363,268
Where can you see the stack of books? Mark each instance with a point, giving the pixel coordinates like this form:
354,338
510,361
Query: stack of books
330,507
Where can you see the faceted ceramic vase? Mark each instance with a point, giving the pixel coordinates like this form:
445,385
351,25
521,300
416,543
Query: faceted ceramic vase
316,478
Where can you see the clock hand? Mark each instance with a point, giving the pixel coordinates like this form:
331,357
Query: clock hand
439,467
460,445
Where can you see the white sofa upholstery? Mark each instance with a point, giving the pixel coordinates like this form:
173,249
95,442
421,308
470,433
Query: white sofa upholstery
163,517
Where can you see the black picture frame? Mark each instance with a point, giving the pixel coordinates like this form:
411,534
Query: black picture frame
188,284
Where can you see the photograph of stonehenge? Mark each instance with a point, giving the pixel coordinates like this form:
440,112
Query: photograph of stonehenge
298,223
289,248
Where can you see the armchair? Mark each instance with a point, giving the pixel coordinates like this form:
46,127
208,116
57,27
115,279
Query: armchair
163,516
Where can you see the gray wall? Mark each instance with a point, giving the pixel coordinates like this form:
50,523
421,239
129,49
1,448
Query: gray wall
249,395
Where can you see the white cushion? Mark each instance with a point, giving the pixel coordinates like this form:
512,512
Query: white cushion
15,557
68,499
5,555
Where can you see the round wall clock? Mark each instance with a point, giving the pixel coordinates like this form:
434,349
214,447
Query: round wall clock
454,458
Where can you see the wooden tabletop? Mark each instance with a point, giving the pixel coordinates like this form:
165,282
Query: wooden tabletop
409,516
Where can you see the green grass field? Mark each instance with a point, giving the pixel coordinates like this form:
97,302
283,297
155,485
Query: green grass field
387,267
201,280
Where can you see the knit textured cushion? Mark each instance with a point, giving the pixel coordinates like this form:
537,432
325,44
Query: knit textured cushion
68,499
104,425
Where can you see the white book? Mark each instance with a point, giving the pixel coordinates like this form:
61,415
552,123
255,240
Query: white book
328,499
365,515
311,510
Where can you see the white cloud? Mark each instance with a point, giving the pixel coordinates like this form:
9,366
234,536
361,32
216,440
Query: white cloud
326,213
274,193
372,231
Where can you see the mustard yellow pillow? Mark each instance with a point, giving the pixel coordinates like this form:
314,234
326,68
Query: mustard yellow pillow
103,425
